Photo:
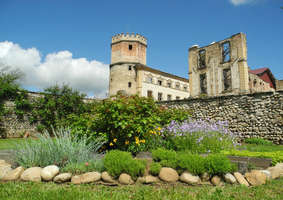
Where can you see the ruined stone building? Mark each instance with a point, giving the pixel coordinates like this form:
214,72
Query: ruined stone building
221,68
130,74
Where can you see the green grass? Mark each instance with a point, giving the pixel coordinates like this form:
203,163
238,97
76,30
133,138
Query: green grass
38,191
261,148
6,144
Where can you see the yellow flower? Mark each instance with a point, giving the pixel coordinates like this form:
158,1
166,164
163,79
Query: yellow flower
127,142
159,129
154,132
115,140
151,131
142,141
111,144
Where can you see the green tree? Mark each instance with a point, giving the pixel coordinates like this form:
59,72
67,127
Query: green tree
56,103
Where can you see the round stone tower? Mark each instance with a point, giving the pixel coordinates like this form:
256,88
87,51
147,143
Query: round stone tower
127,50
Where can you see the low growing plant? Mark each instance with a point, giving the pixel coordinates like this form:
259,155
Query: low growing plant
214,164
258,141
155,168
117,162
79,168
218,164
61,150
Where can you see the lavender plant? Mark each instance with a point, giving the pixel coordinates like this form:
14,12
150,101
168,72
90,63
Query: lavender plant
200,136
62,149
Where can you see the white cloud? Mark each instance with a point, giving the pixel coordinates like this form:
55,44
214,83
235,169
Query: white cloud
241,2
90,77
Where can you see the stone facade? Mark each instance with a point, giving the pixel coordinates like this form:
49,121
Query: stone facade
219,68
249,115
129,73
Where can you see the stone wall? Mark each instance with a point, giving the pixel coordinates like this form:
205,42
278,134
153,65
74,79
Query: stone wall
251,115
15,127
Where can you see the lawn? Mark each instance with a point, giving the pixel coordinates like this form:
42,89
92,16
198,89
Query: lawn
6,144
37,191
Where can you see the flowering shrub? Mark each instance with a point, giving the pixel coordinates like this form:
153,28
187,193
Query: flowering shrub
127,123
199,136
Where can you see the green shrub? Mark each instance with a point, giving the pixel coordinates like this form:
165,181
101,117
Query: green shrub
128,123
155,168
218,164
192,163
62,149
276,156
117,162
163,154
258,141
52,109
79,168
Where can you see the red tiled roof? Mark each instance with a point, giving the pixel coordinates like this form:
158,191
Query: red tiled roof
258,71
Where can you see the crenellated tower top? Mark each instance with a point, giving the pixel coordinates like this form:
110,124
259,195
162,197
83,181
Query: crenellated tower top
129,37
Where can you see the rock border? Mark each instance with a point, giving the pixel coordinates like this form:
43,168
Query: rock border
166,175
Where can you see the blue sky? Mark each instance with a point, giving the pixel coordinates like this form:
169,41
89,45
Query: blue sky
37,34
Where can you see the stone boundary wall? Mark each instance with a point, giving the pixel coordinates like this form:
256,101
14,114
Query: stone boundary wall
15,127
249,115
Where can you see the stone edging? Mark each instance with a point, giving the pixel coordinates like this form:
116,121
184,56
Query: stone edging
166,175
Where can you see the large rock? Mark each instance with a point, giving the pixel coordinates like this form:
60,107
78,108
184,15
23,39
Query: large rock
88,177
216,180
125,179
276,171
14,174
267,173
62,178
241,179
168,175
107,178
32,174
229,178
256,177
205,177
4,170
189,178
49,172
76,179
148,179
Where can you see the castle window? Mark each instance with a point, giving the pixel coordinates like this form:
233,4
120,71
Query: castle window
149,93
169,97
255,82
203,84
130,67
129,84
226,56
169,84
227,79
201,59
177,85
130,47
185,88
177,98
159,82
159,96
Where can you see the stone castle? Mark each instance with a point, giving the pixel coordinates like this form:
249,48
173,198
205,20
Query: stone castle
220,68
